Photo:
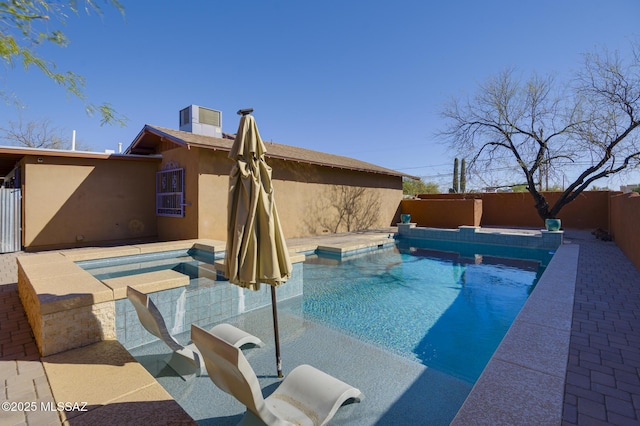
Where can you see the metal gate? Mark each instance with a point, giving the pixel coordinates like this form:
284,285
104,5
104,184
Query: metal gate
10,220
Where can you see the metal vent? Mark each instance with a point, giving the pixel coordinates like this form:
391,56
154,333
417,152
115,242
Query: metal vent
201,121
209,116
185,116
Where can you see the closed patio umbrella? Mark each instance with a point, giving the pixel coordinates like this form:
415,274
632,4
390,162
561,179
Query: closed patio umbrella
256,250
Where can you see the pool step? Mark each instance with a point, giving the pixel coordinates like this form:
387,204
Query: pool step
149,282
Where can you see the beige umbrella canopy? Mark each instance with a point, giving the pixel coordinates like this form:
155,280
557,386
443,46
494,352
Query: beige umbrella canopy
256,250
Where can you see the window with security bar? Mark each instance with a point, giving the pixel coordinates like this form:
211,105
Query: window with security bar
170,193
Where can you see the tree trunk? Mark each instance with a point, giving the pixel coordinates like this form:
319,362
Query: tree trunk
542,207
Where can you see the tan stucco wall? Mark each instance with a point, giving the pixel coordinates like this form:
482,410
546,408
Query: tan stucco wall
305,197
625,211
172,228
79,201
302,194
443,213
76,201
589,210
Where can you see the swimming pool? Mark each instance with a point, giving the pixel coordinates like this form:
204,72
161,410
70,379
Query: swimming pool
431,306
406,378
437,308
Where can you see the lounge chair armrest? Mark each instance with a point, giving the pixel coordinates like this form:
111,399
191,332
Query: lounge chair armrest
234,336
313,392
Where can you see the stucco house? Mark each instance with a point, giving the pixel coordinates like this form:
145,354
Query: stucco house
172,184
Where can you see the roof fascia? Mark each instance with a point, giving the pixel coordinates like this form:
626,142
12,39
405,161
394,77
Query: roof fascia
152,130
149,129
46,152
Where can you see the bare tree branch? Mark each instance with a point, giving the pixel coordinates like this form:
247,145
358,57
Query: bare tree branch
37,134
536,124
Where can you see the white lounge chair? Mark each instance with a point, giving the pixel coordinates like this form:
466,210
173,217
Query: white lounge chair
184,360
307,396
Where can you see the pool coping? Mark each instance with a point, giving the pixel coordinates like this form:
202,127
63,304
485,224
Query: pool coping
535,350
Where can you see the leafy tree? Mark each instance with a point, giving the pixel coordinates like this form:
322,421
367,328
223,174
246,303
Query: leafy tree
538,124
415,187
27,24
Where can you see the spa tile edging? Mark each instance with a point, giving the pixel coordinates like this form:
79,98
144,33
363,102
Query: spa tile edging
474,234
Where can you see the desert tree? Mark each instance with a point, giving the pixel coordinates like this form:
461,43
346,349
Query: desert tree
27,24
538,125
414,187
37,134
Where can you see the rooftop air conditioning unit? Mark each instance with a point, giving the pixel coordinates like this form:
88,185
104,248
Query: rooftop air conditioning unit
201,121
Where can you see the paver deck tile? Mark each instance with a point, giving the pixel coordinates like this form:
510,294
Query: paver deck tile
604,365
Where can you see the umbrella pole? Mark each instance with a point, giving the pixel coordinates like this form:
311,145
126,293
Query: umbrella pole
274,308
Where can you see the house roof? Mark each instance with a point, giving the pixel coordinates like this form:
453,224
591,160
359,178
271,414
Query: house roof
154,139
10,156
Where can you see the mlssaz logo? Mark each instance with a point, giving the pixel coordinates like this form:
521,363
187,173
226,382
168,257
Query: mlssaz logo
63,406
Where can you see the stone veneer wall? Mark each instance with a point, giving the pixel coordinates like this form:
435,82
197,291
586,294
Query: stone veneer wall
31,305
65,329
78,327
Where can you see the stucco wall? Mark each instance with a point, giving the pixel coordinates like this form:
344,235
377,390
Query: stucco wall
625,212
305,196
311,198
213,184
589,210
182,228
443,213
77,201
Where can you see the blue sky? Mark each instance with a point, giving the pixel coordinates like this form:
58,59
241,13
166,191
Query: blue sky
361,78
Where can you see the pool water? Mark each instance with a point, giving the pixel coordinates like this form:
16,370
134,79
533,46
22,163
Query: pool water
411,327
184,261
445,311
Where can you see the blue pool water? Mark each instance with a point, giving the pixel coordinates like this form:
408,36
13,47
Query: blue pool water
409,326
445,311
184,261
448,310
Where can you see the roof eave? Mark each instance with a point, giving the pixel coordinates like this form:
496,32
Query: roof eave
147,129
154,130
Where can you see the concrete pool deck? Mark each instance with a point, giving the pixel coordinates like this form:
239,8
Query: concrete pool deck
601,385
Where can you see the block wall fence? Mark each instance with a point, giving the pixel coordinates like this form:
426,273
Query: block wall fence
625,214
610,211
